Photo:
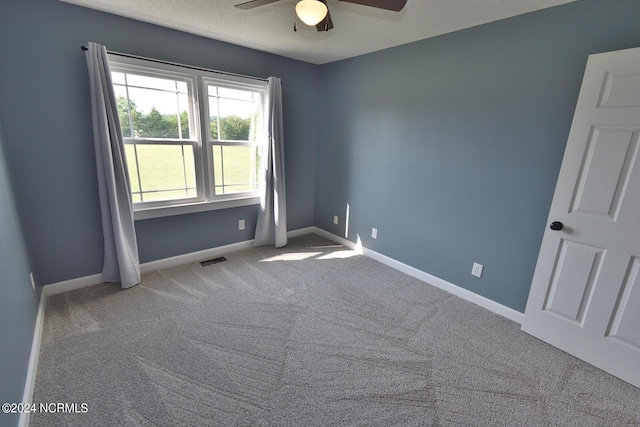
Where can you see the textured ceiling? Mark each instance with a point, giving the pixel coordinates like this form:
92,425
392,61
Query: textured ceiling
358,29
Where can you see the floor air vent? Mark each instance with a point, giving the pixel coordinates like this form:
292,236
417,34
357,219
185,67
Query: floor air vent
213,261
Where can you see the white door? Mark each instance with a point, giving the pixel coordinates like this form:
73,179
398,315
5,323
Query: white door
585,294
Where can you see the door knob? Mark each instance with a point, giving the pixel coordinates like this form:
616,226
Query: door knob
556,225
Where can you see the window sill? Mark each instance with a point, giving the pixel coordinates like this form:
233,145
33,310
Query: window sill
149,213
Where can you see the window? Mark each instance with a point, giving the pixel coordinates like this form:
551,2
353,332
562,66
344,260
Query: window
192,138
234,123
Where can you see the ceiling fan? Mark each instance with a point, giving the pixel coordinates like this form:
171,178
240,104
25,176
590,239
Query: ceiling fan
316,13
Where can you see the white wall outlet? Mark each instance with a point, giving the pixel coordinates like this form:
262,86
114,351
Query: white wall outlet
241,224
374,233
33,281
335,219
477,269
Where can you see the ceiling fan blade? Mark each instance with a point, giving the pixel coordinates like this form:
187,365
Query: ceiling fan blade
326,24
254,3
394,5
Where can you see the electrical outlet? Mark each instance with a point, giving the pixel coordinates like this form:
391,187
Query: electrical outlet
33,281
241,224
477,269
374,233
335,219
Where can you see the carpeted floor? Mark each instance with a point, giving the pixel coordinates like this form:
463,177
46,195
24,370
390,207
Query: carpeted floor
308,335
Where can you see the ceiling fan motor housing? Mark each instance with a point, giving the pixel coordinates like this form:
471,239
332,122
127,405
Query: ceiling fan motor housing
316,12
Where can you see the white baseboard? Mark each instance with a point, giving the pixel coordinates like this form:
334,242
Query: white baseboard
27,395
300,232
194,256
70,285
484,302
209,253
96,279
341,240
491,305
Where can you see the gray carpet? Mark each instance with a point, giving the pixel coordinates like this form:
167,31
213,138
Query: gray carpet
308,335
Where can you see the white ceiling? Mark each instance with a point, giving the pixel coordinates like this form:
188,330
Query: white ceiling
358,29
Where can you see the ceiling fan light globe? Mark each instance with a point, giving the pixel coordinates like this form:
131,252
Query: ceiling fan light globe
311,12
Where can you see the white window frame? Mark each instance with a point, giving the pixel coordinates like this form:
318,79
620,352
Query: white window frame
201,141
244,84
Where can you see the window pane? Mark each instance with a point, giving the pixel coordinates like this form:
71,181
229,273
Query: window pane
155,114
132,164
156,107
117,78
151,82
217,164
182,87
183,107
123,110
237,112
236,94
161,172
236,128
236,168
213,117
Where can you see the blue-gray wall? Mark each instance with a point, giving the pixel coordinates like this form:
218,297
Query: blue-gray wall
19,302
451,146
46,106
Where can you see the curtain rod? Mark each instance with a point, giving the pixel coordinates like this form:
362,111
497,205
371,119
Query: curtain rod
159,61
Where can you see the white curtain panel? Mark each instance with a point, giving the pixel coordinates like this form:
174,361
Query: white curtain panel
271,228
121,263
